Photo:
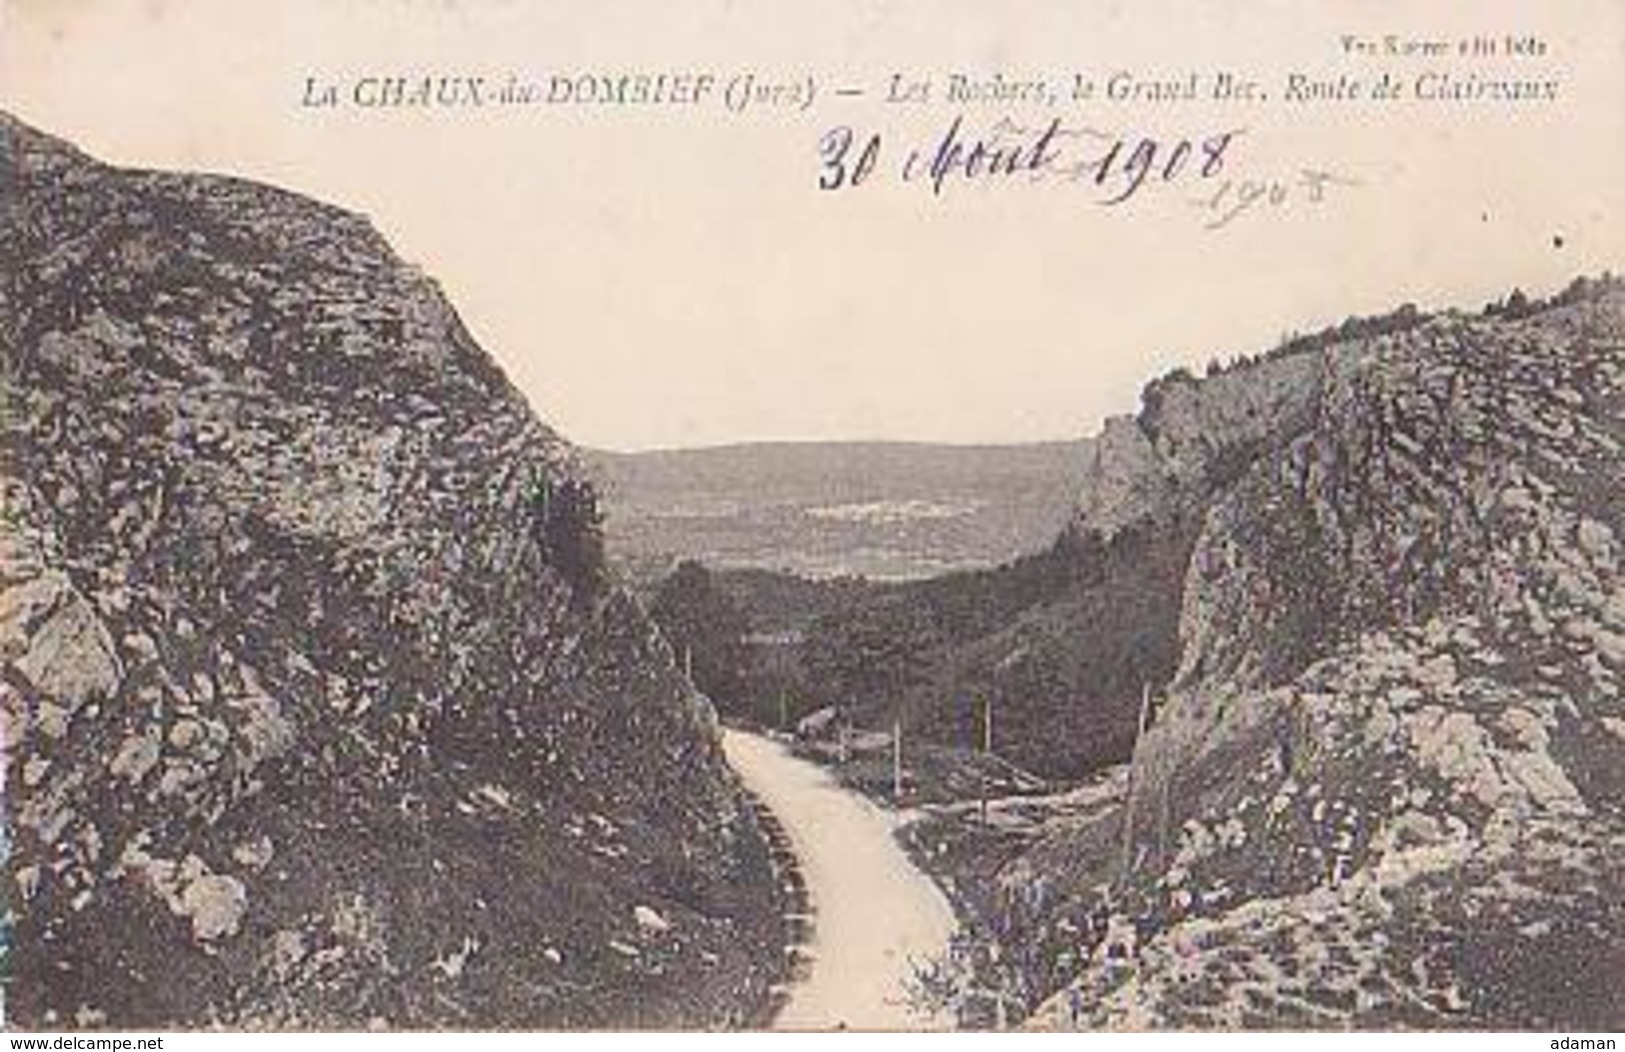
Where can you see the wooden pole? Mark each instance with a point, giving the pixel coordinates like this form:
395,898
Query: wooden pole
987,749
897,761
1162,818
1128,799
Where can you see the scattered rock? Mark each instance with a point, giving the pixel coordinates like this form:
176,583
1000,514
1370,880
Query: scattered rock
649,920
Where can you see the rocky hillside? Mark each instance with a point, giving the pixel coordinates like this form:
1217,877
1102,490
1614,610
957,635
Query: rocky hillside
319,706
1383,788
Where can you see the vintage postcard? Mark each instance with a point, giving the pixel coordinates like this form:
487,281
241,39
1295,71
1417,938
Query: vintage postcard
526,515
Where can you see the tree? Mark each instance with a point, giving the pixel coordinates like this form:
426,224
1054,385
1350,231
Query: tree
570,529
703,621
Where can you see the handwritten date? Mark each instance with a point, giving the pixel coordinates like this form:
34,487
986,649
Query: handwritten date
1235,198
1119,166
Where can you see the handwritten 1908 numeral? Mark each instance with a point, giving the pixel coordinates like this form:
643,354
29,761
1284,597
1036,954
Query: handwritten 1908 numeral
835,150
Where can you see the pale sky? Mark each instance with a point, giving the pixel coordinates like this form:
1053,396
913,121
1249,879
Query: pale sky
673,277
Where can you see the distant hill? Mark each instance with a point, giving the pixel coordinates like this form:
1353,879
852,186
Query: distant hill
882,510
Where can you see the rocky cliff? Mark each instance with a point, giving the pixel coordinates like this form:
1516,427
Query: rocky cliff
1153,468
319,707
1383,787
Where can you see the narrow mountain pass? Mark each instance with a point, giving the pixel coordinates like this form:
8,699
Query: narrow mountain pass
875,915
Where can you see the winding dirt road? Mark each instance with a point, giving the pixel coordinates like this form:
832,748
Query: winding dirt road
875,914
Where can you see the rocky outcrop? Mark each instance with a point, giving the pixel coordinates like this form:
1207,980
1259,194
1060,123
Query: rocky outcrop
319,707
1383,787
1189,437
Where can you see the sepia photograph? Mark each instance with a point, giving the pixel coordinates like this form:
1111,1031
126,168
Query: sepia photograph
878,515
